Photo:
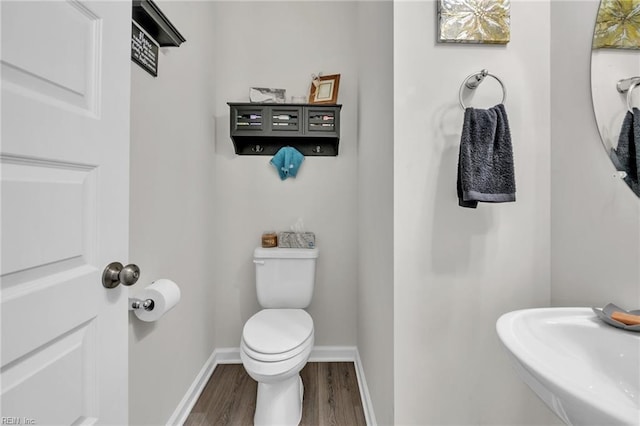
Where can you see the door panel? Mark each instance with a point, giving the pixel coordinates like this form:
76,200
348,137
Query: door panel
61,63
38,376
63,230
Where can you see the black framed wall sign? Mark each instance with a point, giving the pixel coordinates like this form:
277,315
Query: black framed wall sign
144,50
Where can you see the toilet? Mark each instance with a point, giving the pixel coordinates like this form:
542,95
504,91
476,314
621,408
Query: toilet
277,341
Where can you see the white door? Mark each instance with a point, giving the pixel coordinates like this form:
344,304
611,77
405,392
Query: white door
65,176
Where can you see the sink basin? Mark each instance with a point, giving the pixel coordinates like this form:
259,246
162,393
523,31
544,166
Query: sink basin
586,371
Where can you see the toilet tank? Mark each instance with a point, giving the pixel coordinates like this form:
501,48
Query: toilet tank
285,276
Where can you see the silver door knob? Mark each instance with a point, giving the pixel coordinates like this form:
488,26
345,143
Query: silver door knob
115,274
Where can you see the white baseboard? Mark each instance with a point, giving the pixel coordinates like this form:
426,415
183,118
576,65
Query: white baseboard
219,356
367,405
227,356
232,356
333,354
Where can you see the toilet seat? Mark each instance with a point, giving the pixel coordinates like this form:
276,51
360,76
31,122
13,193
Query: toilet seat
271,358
273,335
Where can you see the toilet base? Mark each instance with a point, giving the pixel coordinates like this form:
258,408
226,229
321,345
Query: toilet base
279,403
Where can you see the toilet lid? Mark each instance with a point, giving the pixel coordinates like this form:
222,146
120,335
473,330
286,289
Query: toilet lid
274,331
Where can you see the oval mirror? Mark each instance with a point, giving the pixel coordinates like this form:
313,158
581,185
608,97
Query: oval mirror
615,84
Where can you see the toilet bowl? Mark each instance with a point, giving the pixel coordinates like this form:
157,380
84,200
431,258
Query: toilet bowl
275,346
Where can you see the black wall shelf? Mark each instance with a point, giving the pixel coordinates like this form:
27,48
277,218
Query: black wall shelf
262,129
149,16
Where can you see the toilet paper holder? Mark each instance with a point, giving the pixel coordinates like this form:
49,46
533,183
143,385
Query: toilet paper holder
135,304
155,300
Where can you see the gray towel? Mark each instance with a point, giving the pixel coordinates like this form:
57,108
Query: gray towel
485,163
626,157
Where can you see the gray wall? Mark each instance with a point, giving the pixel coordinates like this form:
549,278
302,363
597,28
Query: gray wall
375,202
172,214
595,219
457,270
280,44
411,278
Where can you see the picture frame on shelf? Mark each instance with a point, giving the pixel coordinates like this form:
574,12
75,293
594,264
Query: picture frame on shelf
324,89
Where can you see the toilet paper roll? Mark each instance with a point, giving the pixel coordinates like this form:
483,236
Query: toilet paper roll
165,295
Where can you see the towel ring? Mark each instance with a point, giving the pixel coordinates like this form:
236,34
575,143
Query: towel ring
474,80
631,87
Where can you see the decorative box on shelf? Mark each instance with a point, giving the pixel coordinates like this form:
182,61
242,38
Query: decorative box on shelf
262,129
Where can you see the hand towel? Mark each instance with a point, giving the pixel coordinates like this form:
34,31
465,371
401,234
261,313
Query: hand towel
287,161
485,163
626,156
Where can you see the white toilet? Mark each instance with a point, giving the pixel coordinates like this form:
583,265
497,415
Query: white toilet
277,341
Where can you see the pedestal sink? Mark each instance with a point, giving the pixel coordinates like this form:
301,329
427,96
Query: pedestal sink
586,371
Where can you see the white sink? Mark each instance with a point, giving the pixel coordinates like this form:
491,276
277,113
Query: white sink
586,371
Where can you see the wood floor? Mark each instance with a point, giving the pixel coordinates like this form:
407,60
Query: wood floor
331,397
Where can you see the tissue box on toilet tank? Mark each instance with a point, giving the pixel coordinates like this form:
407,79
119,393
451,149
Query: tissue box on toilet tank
297,240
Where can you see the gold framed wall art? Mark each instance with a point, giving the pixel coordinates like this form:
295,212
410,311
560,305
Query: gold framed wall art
474,21
617,25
